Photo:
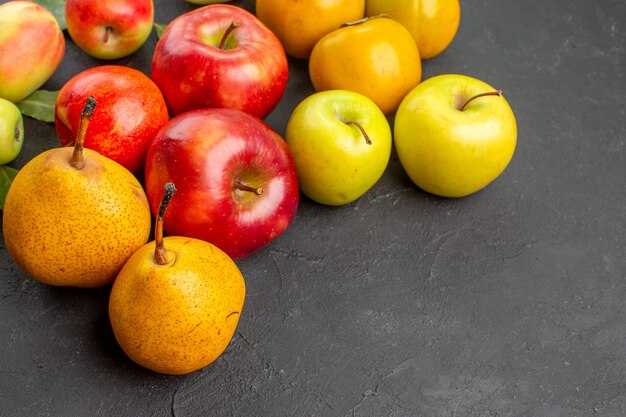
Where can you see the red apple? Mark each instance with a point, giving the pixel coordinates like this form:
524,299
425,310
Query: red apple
236,179
130,111
220,56
31,48
109,29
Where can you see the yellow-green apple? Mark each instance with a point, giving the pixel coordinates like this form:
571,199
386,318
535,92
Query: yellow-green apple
11,131
433,23
300,24
454,134
109,29
236,179
341,143
375,57
31,48
130,111
220,56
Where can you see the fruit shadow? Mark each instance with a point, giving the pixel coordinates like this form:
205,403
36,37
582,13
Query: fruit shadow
107,349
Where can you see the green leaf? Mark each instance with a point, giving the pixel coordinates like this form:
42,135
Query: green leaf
57,8
39,105
159,28
7,174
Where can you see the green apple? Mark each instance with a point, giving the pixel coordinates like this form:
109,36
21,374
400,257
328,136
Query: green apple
341,143
454,134
11,131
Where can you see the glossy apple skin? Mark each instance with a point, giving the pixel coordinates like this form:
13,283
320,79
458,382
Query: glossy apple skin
130,111
11,131
377,58
249,75
300,24
433,23
335,163
204,152
31,48
449,152
130,23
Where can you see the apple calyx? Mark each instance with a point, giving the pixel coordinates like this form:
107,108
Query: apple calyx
160,253
233,26
245,187
363,132
488,93
365,19
77,160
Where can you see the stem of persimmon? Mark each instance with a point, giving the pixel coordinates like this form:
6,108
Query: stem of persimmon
365,19
77,160
488,93
160,253
363,132
232,27
245,187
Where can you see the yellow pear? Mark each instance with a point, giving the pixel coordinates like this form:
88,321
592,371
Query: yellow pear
72,217
175,305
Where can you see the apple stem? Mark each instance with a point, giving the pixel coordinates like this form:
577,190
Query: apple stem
245,187
363,132
230,29
488,93
107,34
77,160
365,19
160,253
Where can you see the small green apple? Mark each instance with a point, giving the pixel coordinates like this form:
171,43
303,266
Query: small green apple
11,131
341,143
454,135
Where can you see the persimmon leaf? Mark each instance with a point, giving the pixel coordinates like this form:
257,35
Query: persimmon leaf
57,8
39,105
7,174
159,28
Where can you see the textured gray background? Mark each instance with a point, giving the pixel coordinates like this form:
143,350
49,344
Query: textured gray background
510,302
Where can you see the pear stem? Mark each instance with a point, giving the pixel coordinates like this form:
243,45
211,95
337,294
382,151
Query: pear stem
363,132
160,253
232,27
488,93
77,160
245,187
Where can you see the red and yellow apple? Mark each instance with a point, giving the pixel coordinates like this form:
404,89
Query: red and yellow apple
31,48
220,56
433,23
236,179
375,57
454,135
130,111
341,143
300,24
109,29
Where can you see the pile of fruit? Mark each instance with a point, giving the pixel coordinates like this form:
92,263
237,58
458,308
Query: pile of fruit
186,146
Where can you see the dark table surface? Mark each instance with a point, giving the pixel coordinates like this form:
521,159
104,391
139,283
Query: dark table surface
510,302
